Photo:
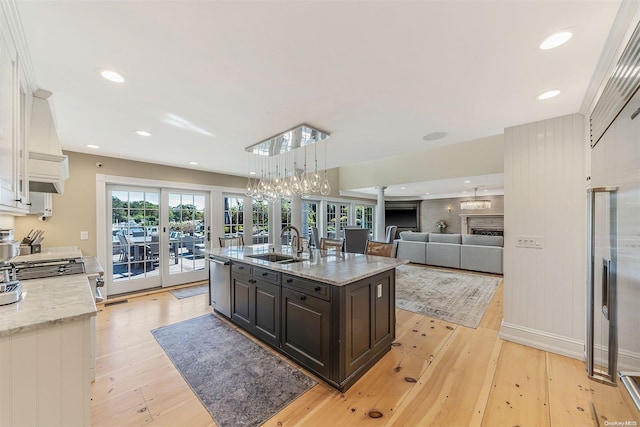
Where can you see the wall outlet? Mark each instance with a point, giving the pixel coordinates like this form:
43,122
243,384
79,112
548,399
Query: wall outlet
379,290
84,235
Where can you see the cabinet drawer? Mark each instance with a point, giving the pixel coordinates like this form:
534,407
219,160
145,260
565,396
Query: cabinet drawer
244,269
266,275
310,287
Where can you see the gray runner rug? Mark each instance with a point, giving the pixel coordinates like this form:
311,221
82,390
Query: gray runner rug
191,291
239,382
447,295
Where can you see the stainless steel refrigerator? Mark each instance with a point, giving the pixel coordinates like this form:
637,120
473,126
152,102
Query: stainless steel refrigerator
613,273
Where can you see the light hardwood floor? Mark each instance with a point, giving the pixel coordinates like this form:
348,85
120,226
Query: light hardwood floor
437,374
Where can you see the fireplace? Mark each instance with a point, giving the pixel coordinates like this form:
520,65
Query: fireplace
487,224
488,231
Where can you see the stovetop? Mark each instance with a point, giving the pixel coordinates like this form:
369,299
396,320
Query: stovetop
49,268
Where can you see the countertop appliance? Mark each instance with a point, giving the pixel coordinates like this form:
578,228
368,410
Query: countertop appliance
10,288
220,285
613,258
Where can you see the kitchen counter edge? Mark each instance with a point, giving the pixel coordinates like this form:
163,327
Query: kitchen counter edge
337,269
48,301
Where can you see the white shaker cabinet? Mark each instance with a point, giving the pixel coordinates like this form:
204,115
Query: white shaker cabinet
14,107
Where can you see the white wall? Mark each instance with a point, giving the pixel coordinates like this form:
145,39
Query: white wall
544,291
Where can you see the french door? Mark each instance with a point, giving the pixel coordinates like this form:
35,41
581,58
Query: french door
158,237
337,219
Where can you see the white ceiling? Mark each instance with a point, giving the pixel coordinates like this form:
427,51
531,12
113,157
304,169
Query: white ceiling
209,78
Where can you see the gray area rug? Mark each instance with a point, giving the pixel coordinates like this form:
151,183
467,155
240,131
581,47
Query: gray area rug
447,295
191,291
239,382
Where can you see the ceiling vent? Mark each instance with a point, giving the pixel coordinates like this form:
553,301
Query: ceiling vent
622,85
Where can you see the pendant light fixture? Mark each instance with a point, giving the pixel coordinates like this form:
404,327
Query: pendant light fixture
279,157
475,203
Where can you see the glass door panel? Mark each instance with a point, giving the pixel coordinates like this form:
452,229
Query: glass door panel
187,238
134,225
337,219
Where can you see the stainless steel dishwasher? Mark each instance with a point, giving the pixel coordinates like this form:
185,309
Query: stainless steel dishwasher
220,284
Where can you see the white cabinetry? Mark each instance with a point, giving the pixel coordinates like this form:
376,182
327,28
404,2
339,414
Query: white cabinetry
46,376
15,101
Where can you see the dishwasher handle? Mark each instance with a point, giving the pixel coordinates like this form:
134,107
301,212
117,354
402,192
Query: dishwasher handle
220,261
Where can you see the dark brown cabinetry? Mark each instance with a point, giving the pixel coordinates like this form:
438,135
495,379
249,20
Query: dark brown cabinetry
337,332
306,330
255,301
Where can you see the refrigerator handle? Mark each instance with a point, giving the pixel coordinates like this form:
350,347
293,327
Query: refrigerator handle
606,279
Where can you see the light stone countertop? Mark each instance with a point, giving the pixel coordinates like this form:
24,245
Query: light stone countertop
62,252
334,268
48,300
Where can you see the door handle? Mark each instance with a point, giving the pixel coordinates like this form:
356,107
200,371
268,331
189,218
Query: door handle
606,280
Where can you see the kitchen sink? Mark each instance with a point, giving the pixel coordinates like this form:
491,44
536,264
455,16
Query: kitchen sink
277,258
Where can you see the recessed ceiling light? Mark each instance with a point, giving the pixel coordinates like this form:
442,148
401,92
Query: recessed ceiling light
112,76
252,173
403,188
193,163
548,94
555,40
93,146
427,193
142,132
467,182
434,136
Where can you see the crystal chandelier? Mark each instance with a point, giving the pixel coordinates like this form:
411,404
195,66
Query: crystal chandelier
475,203
282,164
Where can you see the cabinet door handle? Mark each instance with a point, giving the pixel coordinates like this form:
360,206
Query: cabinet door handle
317,288
252,281
265,274
289,280
303,297
18,200
240,268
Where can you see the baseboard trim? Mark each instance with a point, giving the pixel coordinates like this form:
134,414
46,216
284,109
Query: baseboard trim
561,345
553,343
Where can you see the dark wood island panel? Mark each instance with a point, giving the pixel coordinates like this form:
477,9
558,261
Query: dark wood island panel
337,332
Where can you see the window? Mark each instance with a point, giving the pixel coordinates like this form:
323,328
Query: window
337,219
260,222
233,216
286,219
364,218
309,217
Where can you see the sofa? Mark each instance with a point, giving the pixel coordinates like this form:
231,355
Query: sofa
463,251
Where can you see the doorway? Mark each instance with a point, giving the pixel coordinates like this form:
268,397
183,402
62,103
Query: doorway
158,237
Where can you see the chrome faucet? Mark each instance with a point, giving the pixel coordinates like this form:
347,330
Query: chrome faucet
298,240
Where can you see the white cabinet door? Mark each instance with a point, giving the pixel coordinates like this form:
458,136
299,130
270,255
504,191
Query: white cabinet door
7,147
15,111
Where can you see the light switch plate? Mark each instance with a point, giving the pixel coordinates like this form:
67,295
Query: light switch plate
84,235
380,290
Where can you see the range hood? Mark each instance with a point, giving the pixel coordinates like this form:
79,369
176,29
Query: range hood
48,167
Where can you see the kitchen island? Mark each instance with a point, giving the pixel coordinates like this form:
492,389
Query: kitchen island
332,312
46,352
